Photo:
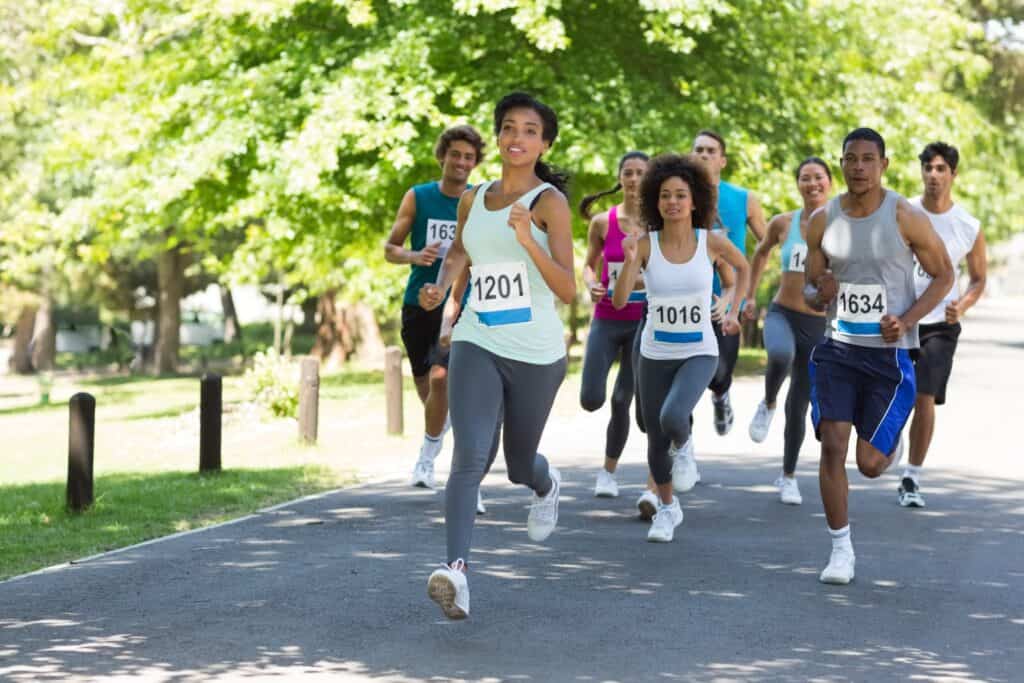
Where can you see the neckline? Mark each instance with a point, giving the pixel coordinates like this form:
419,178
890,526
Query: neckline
665,258
839,205
483,198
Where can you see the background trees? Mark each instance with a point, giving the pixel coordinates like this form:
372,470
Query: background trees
257,141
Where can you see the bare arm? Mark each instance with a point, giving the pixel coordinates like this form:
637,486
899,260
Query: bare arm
759,260
977,269
596,235
821,286
721,248
456,261
636,252
394,251
755,216
552,212
934,259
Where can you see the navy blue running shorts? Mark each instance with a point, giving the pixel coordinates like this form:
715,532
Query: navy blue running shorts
871,388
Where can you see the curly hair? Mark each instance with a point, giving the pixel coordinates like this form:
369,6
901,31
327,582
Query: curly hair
694,173
466,134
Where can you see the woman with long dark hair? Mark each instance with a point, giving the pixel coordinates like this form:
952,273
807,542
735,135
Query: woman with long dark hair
508,350
678,348
611,330
791,327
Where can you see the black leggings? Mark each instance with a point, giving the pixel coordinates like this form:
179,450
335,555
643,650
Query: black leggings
608,341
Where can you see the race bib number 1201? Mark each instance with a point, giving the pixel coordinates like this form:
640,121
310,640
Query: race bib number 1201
859,309
678,320
500,293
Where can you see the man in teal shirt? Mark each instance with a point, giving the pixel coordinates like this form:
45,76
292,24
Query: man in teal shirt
428,217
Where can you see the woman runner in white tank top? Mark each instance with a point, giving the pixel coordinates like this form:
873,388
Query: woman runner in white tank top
678,349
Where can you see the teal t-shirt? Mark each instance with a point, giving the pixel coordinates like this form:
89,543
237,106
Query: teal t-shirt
732,212
436,218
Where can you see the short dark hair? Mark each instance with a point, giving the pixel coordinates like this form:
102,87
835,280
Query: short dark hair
464,133
712,134
813,160
692,171
940,149
868,134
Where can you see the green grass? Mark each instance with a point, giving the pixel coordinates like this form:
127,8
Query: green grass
129,508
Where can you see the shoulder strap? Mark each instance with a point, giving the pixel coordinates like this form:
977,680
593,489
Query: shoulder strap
478,200
534,194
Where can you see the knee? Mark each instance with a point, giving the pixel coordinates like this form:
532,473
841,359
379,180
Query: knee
438,378
677,430
780,358
591,400
621,399
519,476
871,468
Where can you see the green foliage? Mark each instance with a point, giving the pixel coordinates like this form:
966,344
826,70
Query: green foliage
273,383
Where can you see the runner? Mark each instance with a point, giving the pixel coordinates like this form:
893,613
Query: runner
861,375
940,328
612,331
791,328
678,349
738,211
508,349
427,216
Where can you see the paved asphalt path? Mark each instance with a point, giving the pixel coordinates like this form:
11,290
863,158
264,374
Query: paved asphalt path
333,588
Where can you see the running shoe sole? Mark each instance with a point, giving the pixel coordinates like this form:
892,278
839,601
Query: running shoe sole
442,591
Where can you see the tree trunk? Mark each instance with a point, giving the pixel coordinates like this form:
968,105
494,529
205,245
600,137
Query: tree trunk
21,360
279,320
232,328
44,338
331,333
369,344
170,269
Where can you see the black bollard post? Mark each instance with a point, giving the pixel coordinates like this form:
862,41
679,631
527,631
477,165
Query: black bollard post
81,439
210,392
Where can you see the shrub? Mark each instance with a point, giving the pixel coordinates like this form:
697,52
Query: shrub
273,383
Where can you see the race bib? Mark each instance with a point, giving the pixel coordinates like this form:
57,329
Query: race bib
859,309
614,270
798,258
440,231
500,293
678,320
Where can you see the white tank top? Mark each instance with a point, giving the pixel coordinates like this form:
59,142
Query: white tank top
958,230
678,322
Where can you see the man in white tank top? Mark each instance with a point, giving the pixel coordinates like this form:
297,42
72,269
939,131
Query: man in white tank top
940,329
860,261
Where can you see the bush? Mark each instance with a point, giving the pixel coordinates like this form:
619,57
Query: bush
273,382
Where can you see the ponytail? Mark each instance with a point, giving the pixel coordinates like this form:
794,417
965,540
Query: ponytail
559,179
591,198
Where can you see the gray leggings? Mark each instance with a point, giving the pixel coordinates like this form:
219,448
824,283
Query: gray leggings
480,386
608,341
789,337
669,389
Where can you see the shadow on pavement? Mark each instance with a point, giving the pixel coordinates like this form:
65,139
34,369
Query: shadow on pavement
336,587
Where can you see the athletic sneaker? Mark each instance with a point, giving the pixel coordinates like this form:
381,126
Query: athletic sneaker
684,467
606,486
910,494
480,509
761,422
789,491
663,526
544,511
647,504
423,474
723,414
449,588
840,567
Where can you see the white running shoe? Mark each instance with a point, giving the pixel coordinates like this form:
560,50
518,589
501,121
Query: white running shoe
647,505
606,486
544,511
663,526
723,413
684,468
449,588
910,494
423,473
789,491
761,423
480,509
840,567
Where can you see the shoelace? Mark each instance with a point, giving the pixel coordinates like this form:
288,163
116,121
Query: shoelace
545,506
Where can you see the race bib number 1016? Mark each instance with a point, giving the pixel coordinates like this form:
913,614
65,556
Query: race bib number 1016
678,320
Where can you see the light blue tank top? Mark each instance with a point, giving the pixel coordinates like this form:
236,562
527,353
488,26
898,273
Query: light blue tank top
732,212
495,318
794,239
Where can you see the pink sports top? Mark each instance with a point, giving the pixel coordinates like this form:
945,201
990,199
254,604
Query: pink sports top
634,310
